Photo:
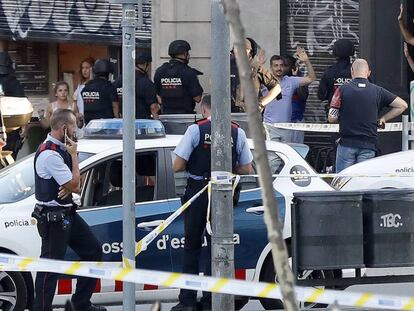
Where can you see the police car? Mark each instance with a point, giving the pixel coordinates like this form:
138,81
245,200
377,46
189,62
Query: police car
158,191
394,170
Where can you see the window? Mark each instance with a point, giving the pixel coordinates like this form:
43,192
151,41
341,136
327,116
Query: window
246,182
17,181
276,164
103,182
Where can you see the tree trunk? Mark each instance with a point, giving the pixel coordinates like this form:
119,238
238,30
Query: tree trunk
271,215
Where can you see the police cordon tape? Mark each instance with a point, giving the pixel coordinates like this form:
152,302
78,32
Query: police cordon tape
143,243
334,128
195,282
217,178
333,175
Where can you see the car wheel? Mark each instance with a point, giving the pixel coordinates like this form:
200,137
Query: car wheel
13,291
268,274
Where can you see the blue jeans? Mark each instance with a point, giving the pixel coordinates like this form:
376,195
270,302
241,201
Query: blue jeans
277,134
347,156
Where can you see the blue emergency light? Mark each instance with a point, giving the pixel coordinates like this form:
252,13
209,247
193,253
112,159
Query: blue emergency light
112,129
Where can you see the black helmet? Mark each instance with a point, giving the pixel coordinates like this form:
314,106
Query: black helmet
6,64
143,57
343,48
178,47
102,66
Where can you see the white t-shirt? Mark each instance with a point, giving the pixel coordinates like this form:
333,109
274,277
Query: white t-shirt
78,97
55,167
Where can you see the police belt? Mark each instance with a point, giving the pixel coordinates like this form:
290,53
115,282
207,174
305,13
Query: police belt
197,182
52,213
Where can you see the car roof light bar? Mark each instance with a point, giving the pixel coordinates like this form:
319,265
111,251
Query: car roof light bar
112,129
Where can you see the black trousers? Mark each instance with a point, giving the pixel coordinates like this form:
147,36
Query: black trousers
55,240
194,226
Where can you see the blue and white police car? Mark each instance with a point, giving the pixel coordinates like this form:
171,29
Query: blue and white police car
395,170
158,191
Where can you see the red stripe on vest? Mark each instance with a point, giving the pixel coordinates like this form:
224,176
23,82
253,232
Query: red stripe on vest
64,286
203,121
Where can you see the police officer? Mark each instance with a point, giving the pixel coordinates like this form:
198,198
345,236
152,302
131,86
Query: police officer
10,86
339,73
177,83
193,154
146,104
57,175
99,95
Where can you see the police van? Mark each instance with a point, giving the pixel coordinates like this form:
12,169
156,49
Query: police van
158,192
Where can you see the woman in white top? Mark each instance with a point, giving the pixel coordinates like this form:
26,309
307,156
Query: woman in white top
85,71
62,102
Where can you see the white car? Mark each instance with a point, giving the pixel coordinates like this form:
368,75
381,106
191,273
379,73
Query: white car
395,170
158,191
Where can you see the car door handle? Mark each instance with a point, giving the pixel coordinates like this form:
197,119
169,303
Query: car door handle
150,224
258,210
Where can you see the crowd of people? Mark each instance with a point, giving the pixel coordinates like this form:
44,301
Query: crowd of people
353,101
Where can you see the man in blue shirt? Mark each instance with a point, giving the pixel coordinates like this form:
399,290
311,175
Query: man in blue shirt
280,111
356,105
193,154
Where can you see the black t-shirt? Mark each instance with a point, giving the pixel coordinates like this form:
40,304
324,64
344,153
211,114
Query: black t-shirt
98,96
145,95
334,77
177,84
11,86
360,103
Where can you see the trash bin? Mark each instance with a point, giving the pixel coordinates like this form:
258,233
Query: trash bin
388,216
327,230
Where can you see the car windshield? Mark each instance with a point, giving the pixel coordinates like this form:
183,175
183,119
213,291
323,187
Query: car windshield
17,180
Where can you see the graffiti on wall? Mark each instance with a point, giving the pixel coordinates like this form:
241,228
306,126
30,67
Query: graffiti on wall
68,17
322,23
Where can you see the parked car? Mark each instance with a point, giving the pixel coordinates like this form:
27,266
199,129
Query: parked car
158,191
395,170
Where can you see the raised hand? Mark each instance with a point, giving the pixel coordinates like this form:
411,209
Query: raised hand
301,54
400,17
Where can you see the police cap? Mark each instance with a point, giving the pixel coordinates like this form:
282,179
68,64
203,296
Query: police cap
343,48
143,57
102,66
6,64
178,47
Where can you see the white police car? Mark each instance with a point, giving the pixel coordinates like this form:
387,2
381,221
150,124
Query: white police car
395,170
157,196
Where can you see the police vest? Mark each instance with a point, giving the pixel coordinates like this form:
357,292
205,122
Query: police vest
199,163
341,76
47,189
175,97
96,99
